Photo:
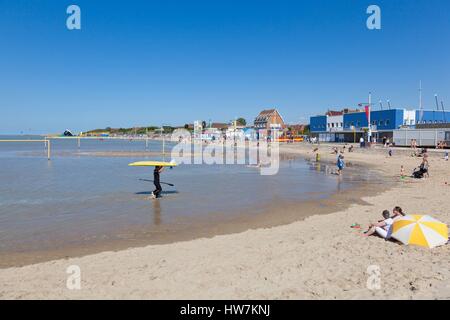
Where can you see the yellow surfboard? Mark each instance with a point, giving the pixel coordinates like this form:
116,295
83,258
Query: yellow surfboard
153,164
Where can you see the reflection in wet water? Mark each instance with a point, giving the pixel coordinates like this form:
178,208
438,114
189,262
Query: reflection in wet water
157,217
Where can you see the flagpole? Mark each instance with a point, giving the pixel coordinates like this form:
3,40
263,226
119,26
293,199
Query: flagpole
368,118
420,102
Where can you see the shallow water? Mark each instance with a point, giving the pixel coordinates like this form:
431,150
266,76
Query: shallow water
75,200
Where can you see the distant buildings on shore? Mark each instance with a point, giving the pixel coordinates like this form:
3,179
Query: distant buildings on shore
267,123
350,125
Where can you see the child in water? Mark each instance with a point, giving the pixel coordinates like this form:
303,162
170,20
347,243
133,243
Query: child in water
340,164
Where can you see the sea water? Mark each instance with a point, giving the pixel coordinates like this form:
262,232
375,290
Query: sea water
76,198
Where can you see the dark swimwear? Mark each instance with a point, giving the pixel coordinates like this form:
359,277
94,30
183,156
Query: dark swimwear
158,189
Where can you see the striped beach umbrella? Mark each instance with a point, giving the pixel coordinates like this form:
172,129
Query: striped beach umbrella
420,230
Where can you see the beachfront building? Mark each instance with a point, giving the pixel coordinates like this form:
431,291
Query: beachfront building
297,129
267,121
350,125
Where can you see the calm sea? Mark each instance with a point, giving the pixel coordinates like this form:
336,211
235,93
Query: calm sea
76,198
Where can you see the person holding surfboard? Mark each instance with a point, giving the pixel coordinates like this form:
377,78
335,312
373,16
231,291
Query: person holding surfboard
159,166
156,182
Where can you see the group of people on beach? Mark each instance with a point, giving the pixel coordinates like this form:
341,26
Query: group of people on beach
340,164
441,145
383,228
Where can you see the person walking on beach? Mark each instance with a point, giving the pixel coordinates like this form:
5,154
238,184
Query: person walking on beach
156,182
361,142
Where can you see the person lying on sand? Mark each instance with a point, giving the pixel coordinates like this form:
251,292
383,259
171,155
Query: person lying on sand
381,228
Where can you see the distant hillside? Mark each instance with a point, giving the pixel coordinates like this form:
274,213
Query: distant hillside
130,131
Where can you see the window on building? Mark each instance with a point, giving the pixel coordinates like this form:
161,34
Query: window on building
386,122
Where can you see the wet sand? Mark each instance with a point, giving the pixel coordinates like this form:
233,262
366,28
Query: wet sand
319,257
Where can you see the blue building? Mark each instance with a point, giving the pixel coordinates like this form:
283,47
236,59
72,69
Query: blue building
350,125
318,124
432,117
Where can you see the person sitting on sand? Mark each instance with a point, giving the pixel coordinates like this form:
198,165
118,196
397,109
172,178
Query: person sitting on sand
397,213
381,228
423,152
423,169
350,149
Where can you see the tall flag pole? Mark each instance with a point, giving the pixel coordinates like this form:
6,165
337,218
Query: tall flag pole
443,111
420,102
368,116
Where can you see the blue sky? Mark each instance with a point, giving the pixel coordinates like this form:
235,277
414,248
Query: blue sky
172,62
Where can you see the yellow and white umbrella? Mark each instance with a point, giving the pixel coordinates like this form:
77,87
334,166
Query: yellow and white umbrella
420,230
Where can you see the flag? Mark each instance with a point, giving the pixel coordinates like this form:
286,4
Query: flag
367,108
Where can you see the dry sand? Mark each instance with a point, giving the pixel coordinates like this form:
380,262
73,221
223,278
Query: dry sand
320,257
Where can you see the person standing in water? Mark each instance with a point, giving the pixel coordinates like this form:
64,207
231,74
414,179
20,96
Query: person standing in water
156,172
340,164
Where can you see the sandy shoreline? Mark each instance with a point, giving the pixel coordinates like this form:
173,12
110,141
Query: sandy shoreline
319,258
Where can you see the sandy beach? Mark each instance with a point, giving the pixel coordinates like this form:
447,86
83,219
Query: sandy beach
320,257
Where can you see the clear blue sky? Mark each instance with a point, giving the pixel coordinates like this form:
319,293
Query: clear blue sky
172,62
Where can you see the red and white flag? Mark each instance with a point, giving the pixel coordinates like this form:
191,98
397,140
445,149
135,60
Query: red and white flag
367,108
